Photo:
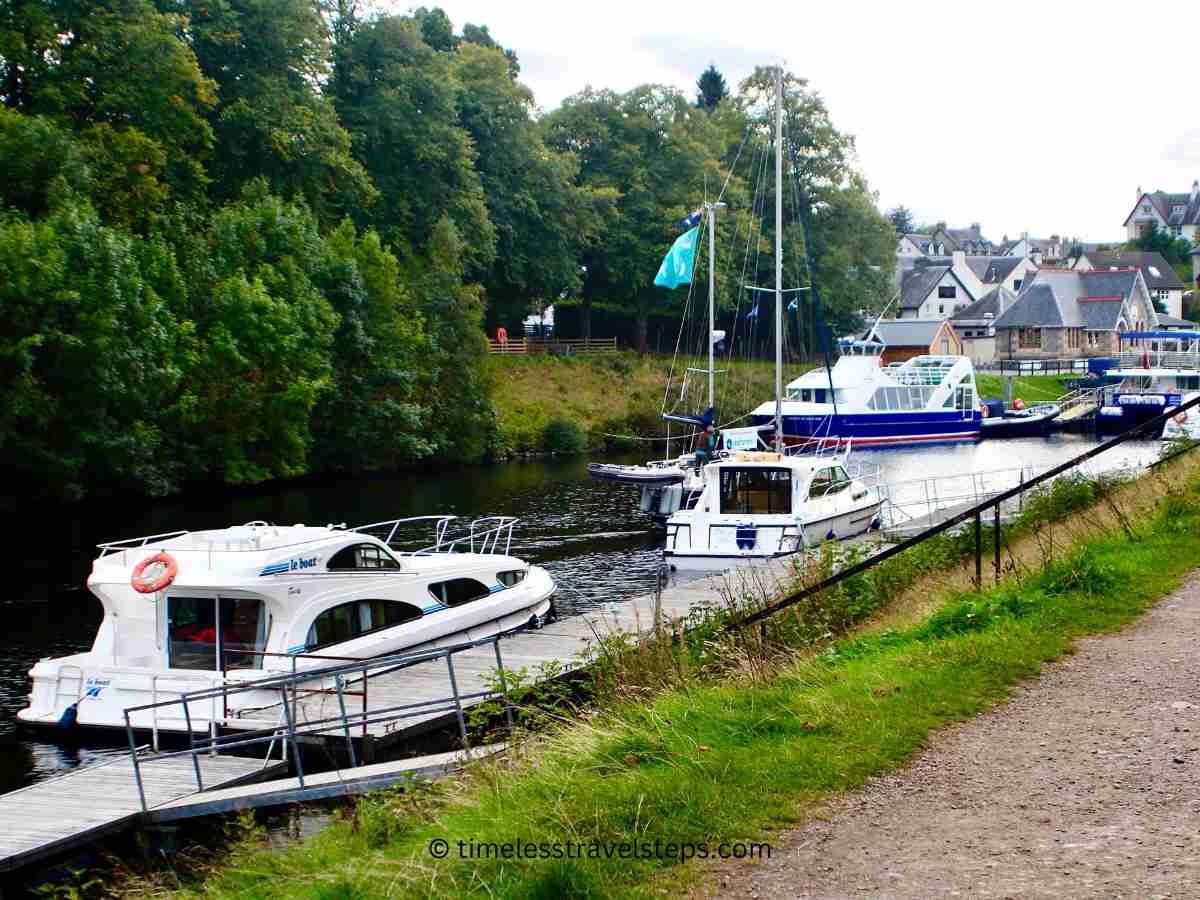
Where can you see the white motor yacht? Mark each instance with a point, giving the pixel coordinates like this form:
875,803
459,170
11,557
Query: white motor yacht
187,611
760,506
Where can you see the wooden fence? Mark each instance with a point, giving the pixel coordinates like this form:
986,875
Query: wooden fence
527,345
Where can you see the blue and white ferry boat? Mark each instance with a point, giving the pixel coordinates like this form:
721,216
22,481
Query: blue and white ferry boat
926,399
1156,369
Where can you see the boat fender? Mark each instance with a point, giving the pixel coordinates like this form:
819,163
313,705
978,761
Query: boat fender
154,573
1018,404
648,500
672,497
69,716
831,536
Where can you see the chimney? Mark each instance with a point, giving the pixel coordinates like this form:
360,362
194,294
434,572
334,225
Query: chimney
958,260
1139,196
1195,188
976,229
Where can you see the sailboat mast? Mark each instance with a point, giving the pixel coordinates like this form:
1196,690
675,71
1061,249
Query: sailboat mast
712,297
779,259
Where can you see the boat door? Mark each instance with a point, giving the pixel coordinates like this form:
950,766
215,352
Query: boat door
964,401
215,633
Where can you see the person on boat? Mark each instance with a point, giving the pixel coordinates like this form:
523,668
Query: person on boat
706,446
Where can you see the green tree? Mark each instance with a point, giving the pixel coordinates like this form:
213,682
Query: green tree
653,154
1174,250
119,63
88,358
398,98
901,218
373,417
268,59
263,333
542,220
710,88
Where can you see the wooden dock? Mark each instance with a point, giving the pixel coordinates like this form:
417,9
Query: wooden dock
560,645
84,805
321,786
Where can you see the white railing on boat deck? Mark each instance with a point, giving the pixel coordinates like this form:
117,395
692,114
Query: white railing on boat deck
483,535
1158,359
133,543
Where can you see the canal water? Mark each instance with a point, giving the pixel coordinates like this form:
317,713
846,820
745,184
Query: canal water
588,534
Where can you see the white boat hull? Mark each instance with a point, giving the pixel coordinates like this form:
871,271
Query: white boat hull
101,690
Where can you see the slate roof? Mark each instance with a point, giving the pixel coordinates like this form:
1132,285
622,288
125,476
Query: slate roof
1066,297
988,269
905,332
992,303
1159,273
1165,204
917,284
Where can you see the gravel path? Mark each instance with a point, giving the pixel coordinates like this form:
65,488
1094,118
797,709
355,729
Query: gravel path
1086,784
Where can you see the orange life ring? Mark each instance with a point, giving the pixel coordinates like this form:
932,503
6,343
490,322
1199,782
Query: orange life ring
1018,404
144,584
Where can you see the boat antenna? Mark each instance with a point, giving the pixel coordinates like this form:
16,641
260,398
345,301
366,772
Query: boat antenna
779,259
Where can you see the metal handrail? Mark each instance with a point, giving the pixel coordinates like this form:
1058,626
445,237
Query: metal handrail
133,543
443,521
288,687
974,512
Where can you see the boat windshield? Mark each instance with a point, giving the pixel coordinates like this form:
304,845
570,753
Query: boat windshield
757,490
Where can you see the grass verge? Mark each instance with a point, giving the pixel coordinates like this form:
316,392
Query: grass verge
734,750
538,397
1030,388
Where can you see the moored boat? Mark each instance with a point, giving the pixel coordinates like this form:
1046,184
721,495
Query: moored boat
186,611
1024,421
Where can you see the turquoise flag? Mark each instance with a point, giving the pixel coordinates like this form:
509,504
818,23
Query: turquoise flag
676,268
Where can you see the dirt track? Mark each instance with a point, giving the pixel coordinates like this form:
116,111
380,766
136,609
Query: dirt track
1086,784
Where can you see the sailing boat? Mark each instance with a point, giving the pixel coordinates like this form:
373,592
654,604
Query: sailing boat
755,506
668,485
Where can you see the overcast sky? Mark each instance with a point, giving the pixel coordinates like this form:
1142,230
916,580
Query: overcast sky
1042,117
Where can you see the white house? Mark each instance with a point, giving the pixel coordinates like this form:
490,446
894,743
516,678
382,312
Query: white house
1040,250
936,290
1178,214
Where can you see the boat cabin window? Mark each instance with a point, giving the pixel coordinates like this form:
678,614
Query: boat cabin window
458,591
361,556
511,578
1187,382
359,617
199,638
756,491
828,481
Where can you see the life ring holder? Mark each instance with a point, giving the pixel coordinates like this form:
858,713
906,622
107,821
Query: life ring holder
161,581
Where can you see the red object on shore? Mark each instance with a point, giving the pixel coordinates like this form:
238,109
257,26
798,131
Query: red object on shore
144,584
502,334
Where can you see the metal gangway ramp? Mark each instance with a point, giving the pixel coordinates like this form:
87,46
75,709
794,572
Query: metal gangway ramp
89,803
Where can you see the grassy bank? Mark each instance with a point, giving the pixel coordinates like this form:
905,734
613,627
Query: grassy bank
722,739
1030,388
565,404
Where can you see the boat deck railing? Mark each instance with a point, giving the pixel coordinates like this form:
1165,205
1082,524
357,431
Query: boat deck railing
485,535
133,543
337,680
1158,359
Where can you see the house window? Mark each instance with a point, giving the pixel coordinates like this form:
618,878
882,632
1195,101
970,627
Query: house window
1029,338
947,292
756,491
1017,282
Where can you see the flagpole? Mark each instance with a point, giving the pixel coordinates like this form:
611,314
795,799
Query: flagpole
779,259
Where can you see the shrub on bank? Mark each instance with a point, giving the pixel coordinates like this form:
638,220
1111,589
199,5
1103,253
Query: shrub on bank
563,436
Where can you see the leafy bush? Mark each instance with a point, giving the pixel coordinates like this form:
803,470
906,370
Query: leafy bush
563,436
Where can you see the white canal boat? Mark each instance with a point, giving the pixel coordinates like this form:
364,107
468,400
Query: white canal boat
758,507
188,611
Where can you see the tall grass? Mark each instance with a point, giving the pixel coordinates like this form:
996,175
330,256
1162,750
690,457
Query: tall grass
712,736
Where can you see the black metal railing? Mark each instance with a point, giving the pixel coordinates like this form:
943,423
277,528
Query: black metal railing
975,512
331,680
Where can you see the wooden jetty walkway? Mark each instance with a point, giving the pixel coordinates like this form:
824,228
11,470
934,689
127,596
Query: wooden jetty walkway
86,804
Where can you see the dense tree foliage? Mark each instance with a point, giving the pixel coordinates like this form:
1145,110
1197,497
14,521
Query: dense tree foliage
248,239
